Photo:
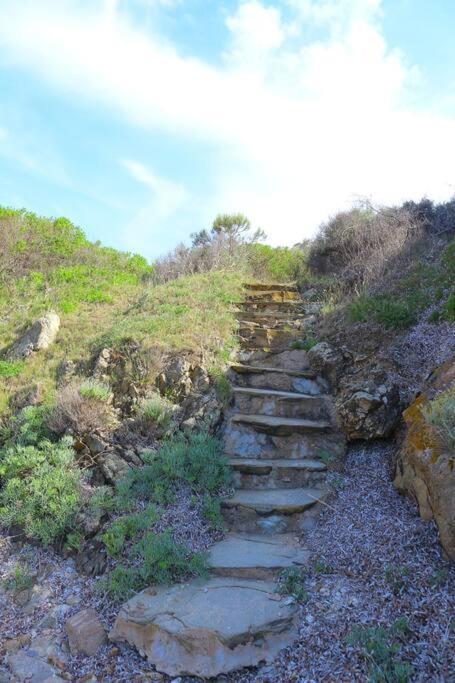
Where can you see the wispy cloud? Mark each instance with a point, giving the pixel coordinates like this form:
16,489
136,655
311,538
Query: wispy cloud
158,214
301,127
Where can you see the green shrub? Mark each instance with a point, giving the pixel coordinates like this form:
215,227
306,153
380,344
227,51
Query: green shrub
120,583
282,264
99,391
27,428
18,579
128,527
11,368
159,561
380,647
196,460
164,561
292,582
440,414
156,411
40,489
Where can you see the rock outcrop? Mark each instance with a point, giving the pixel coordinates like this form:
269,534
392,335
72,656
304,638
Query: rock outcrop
426,468
368,406
37,338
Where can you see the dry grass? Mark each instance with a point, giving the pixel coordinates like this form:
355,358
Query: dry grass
360,246
80,413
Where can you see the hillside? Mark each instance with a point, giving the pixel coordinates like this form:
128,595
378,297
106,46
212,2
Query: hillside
232,412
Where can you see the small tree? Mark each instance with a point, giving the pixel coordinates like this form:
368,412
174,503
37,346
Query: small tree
235,229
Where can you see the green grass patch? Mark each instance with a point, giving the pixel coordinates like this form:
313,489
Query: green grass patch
204,323
11,368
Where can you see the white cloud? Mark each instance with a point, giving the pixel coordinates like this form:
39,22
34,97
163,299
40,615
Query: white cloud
159,214
301,128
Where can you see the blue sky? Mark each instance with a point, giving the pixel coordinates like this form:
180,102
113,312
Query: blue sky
142,119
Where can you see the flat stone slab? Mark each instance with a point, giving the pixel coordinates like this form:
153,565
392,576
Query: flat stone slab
242,368
205,628
274,393
281,426
266,501
257,466
255,557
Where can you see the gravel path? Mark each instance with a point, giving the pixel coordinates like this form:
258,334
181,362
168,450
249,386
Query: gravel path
371,540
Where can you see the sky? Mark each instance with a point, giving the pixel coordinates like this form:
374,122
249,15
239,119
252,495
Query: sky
140,120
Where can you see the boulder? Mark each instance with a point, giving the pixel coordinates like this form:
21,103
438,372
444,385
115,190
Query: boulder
205,628
37,338
368,408
86,633
425,465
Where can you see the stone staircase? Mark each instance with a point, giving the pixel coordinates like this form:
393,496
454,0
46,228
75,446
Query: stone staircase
278,429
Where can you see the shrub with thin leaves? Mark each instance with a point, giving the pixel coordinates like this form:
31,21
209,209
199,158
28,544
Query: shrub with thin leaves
381,647
27,428
197,461
158,560
156,411
93,389
40,489
440,414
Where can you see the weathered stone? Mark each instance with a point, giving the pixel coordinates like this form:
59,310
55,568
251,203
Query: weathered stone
327,361
113,467
52,617
37,338
207,628
65,372
86,633
26,667
425,466
368,409
46,648
15,644
102,363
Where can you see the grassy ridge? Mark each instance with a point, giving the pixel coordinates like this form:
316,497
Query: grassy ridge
103,296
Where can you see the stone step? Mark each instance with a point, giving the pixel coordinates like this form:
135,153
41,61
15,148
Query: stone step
261,304
280,426
254,473
302,383
270,511
244,441
243,369
270,287
275,295
249,400
207,627
251,556
267,339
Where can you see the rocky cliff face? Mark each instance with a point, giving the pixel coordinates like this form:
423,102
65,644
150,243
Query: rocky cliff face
426,467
